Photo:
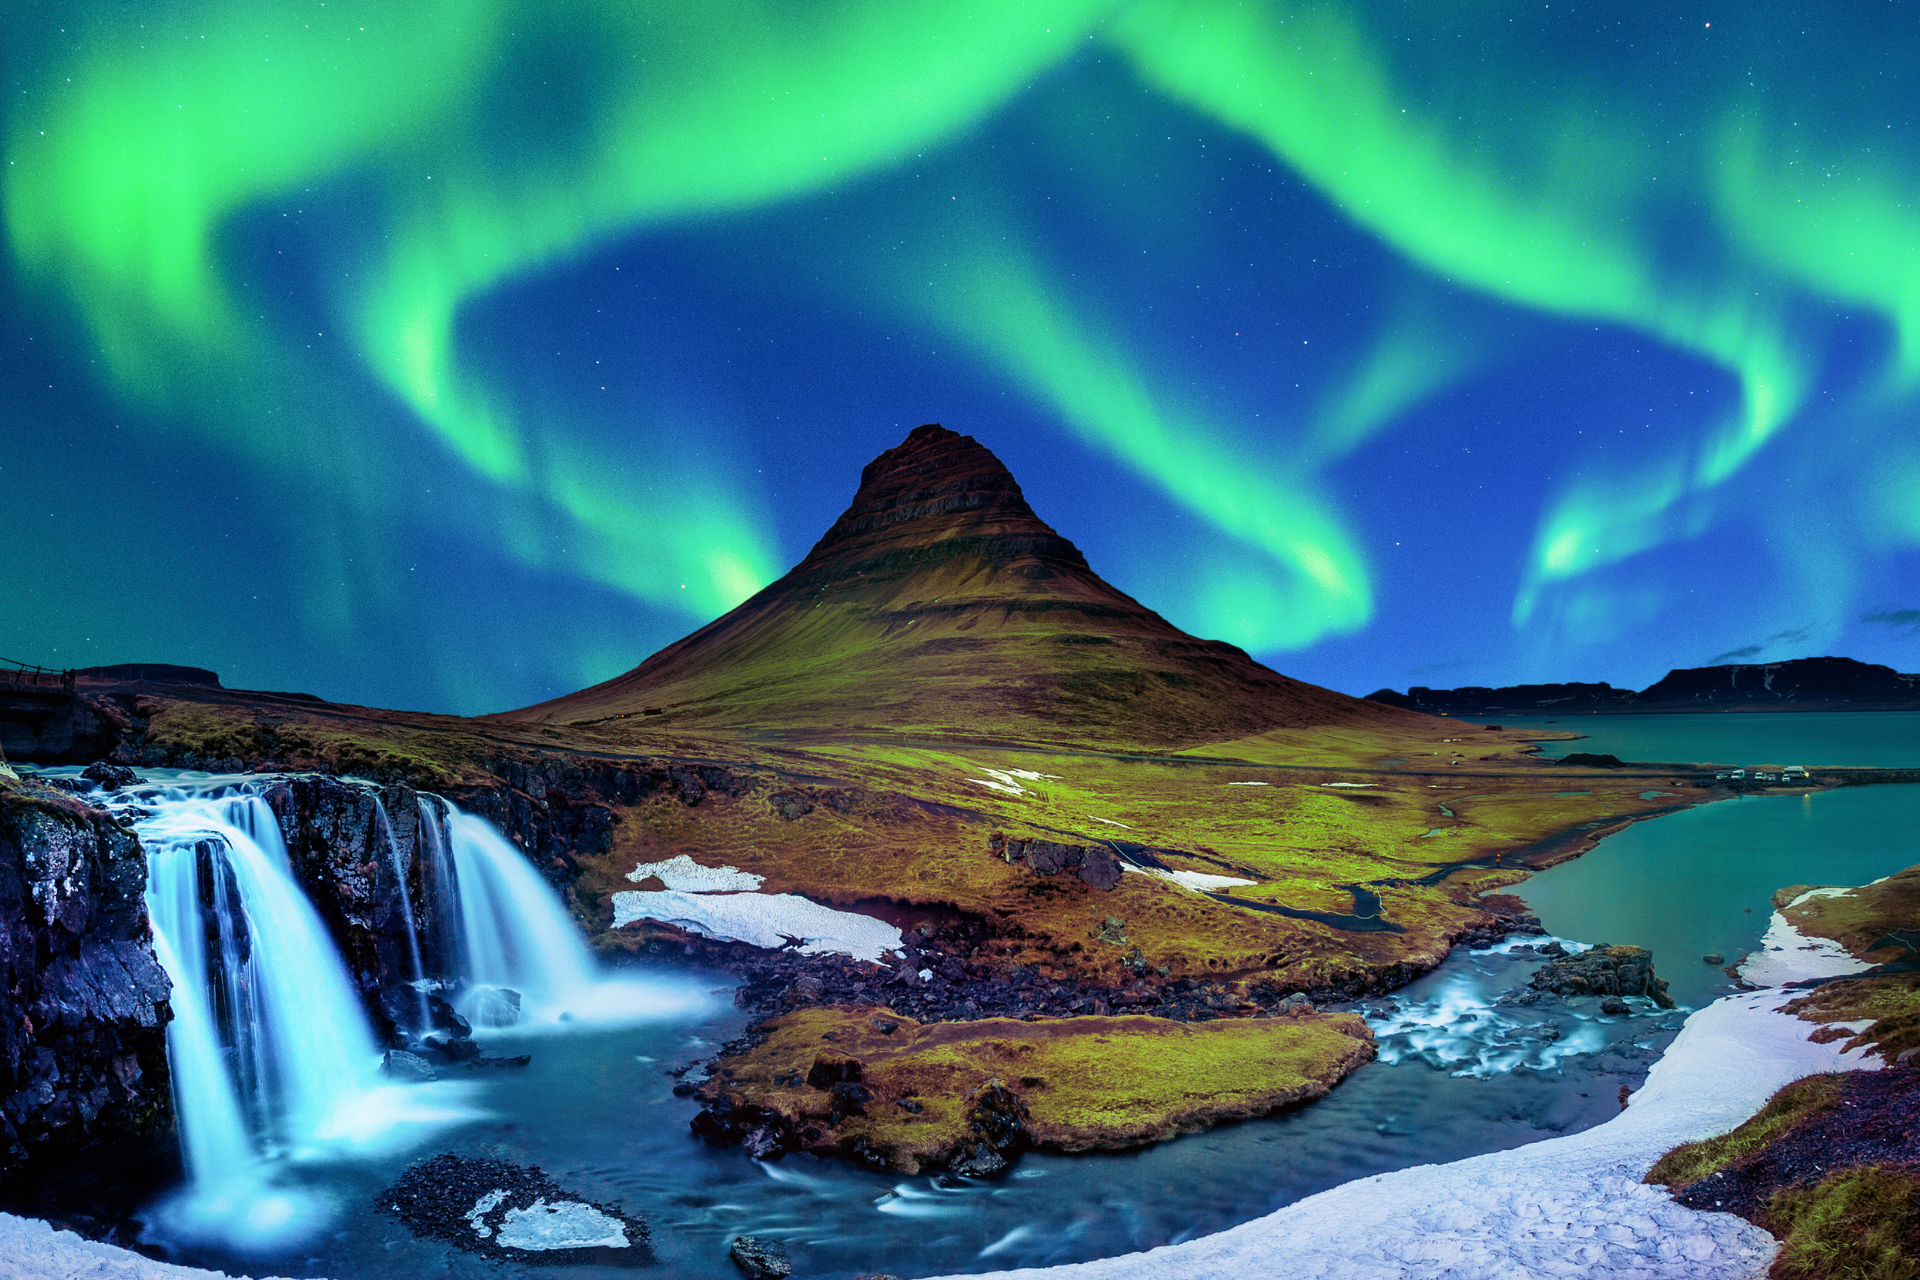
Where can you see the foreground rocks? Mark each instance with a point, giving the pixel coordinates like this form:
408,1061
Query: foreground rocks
893,1093
510,1212
83,1002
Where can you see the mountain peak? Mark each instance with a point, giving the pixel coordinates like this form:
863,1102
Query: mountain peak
940,602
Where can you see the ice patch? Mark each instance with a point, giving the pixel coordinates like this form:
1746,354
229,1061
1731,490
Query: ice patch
1197,880
683,873
485,1205
566,1225
770,920
1787,955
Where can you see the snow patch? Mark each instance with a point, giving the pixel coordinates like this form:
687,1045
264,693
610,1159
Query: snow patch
1110,822
1349,784
1005,780
771,920
682,872
485,1205
1249,784
1787,955
1197,880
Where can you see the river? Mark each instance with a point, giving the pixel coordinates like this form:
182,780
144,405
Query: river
1458,1075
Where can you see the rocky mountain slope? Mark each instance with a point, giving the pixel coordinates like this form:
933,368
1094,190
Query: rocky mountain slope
940,602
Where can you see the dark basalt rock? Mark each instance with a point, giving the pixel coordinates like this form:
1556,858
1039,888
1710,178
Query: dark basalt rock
83,1002
1592,760
1094,863
760,1259
1604,971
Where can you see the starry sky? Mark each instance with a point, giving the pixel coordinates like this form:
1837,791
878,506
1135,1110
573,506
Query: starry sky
453,354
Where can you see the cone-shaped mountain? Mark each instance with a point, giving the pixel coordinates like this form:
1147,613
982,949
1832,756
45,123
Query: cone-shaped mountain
940,602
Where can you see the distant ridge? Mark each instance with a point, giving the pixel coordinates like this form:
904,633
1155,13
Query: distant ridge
1803,684
940,602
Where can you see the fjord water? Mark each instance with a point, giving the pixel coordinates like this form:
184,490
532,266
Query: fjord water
1887,739
1700,882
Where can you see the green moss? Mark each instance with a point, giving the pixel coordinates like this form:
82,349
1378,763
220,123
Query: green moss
1892,1001
1687,1164
1854,1225
1087,1083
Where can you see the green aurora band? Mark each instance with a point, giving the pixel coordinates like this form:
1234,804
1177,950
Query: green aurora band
136,148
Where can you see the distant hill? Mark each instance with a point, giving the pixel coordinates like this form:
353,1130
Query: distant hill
1804,684
940,602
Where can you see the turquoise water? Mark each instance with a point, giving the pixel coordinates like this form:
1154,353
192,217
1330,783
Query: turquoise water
1887,738
1701,881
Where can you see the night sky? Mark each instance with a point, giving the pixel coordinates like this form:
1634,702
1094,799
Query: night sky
452,354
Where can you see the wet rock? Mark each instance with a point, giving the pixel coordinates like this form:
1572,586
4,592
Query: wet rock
760,1259
109,775
850,1098
408,1067
980,1162
495,1006
453,1048
83,1002
1615,1007
1713,958
1604,971
444,1017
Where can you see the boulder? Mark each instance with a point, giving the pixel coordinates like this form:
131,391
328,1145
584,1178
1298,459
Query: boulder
408,1067
495,1006
760,1259
1604,970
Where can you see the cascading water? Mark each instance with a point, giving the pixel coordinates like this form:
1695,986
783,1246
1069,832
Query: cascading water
512,932
422,1016
271,1054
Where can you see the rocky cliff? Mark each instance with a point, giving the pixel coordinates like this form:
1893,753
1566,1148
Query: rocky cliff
83,1002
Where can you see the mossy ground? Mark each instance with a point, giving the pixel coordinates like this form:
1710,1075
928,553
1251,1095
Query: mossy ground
1858,1224
1688,1164
1088,1083
1891,1001
1876,922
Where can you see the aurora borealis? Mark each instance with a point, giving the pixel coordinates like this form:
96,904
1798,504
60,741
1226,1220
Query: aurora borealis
454,354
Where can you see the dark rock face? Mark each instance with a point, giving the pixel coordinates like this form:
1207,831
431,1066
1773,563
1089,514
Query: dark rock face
83,1002
1539,699
52,725
1604,971
1094,863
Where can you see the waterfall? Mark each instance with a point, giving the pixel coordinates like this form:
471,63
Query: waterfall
511,930
270,1051
511,927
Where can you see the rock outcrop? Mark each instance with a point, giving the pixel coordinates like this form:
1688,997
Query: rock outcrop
1603,971
83,1002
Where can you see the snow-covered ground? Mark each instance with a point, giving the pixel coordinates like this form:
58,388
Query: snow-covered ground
683,873
1786,955
33,1250
770,920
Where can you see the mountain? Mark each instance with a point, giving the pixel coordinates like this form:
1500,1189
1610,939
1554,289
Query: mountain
939,602
1804,684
